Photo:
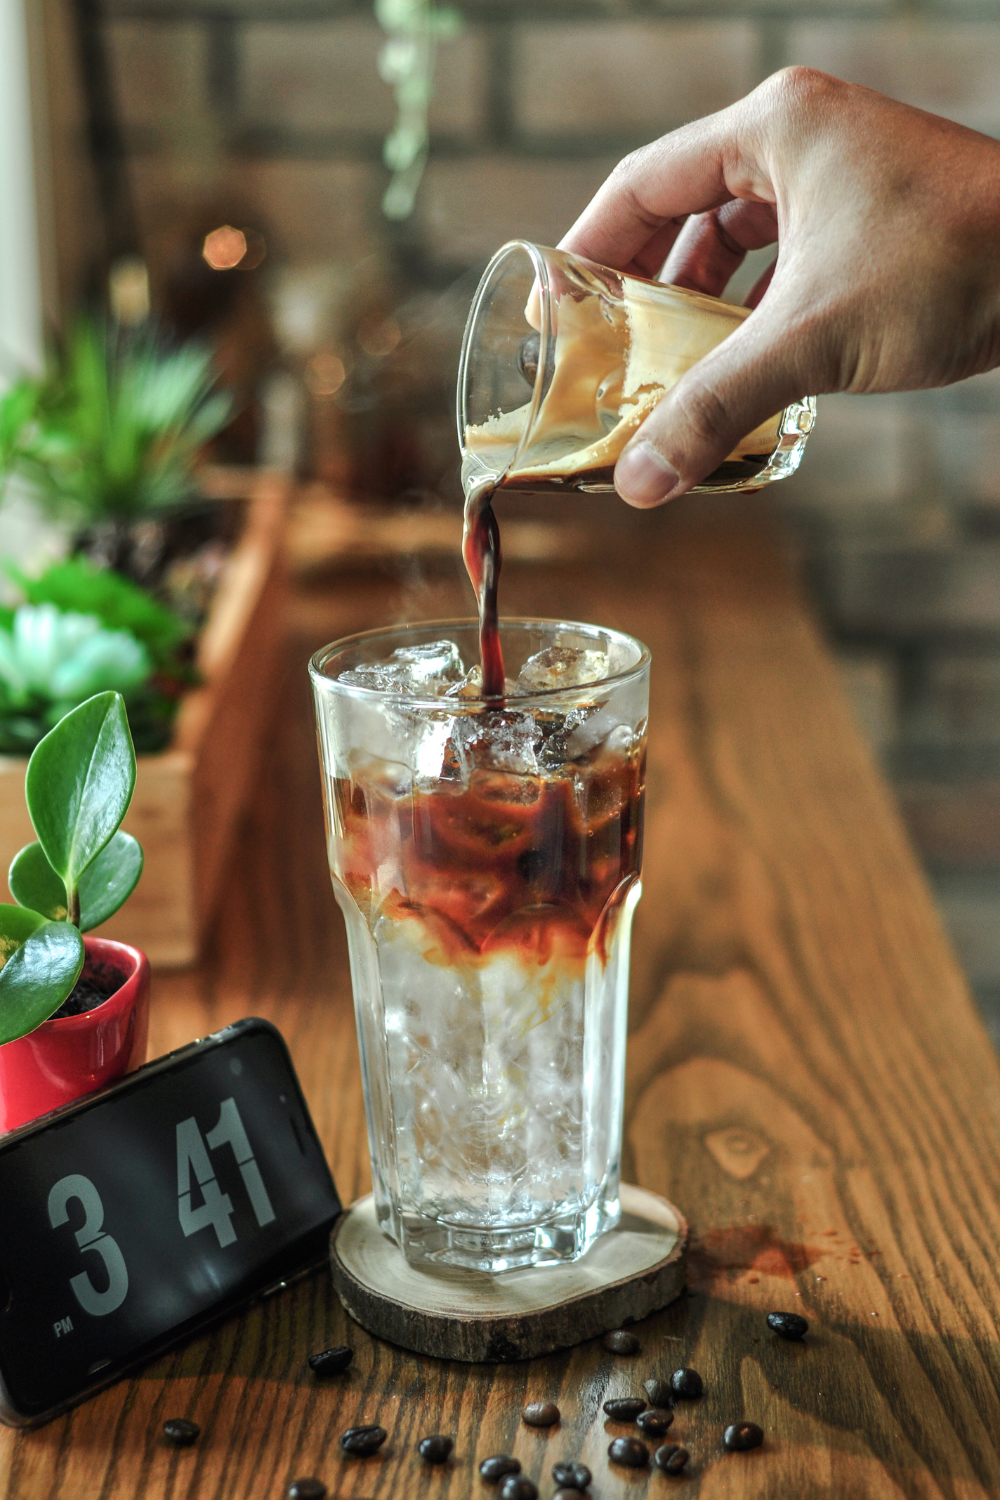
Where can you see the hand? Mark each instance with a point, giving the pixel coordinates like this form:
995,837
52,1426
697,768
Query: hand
887,221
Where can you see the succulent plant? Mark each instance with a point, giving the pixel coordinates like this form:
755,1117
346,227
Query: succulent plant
112,431
67,657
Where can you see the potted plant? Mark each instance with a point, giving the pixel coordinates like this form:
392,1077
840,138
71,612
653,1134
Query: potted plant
183,567
74,1011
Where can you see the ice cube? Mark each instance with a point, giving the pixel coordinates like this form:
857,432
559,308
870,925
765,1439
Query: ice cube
561,667
501,741
433,661
429,669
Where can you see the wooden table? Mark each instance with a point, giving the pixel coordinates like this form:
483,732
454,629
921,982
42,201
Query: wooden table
808,1080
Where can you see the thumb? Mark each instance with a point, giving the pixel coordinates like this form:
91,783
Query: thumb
752,375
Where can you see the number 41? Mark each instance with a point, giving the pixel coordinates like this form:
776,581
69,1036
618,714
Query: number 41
216,1207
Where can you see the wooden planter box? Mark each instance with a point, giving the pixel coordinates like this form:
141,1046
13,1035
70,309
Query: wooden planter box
188,799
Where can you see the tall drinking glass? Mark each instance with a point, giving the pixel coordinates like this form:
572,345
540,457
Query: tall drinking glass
563,359
486,858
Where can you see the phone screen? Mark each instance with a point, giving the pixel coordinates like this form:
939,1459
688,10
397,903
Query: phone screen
131,1220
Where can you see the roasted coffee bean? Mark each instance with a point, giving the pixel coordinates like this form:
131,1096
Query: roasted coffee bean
307,1489
630,1452
362,1441
498,1466
687,1385
655,1421
565,1494
741,1436
671,1458
436,1449
659,1392
181,1432
620,1342
788,1325
518,1487
540,1414
624,1408
571,1476
331,1361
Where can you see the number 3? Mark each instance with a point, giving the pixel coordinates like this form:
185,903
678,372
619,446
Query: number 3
90,1236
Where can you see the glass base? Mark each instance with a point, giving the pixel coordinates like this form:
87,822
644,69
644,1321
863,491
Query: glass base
547,1242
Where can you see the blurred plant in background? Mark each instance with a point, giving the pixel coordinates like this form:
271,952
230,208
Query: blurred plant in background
81,631
110,434
406,62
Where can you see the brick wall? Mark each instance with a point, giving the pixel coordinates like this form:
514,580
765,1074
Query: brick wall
895,515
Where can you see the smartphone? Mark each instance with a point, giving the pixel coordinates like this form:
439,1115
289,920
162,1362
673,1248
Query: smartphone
138,1216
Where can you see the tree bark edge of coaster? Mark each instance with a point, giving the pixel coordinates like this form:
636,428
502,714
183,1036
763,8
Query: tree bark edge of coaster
632,1271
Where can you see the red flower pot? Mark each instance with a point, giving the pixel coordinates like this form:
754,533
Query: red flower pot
62,1060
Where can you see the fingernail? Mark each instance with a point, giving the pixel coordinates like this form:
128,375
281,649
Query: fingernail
643,476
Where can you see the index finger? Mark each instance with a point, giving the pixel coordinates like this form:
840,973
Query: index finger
635,216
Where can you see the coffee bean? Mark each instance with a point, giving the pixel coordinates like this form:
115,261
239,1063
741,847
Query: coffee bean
687,1385
670,1458
518,1487
571,1476
436,1449
655,1421
565,1494
540,1414
362,1441
307,1489
630,1452
331,1361
620,1342
498,1466
624,1408
788,1325
659,1392
181,1432
742,1436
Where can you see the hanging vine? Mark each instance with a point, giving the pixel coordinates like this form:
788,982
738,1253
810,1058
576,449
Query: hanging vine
406,62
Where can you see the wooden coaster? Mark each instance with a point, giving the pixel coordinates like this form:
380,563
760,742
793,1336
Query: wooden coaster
452,1314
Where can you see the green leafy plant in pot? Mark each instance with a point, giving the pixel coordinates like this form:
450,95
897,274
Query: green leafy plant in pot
73,1010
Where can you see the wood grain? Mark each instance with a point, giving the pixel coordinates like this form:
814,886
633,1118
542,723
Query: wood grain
808,1081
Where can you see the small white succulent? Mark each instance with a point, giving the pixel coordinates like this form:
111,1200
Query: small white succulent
67,657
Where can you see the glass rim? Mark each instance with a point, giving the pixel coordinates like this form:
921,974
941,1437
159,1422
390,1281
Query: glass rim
536,255
470,705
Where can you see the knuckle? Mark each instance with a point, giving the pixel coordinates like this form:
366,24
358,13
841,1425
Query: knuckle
798,87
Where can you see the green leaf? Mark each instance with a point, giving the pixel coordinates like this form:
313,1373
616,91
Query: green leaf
79,784
42,964
105,885
34,884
